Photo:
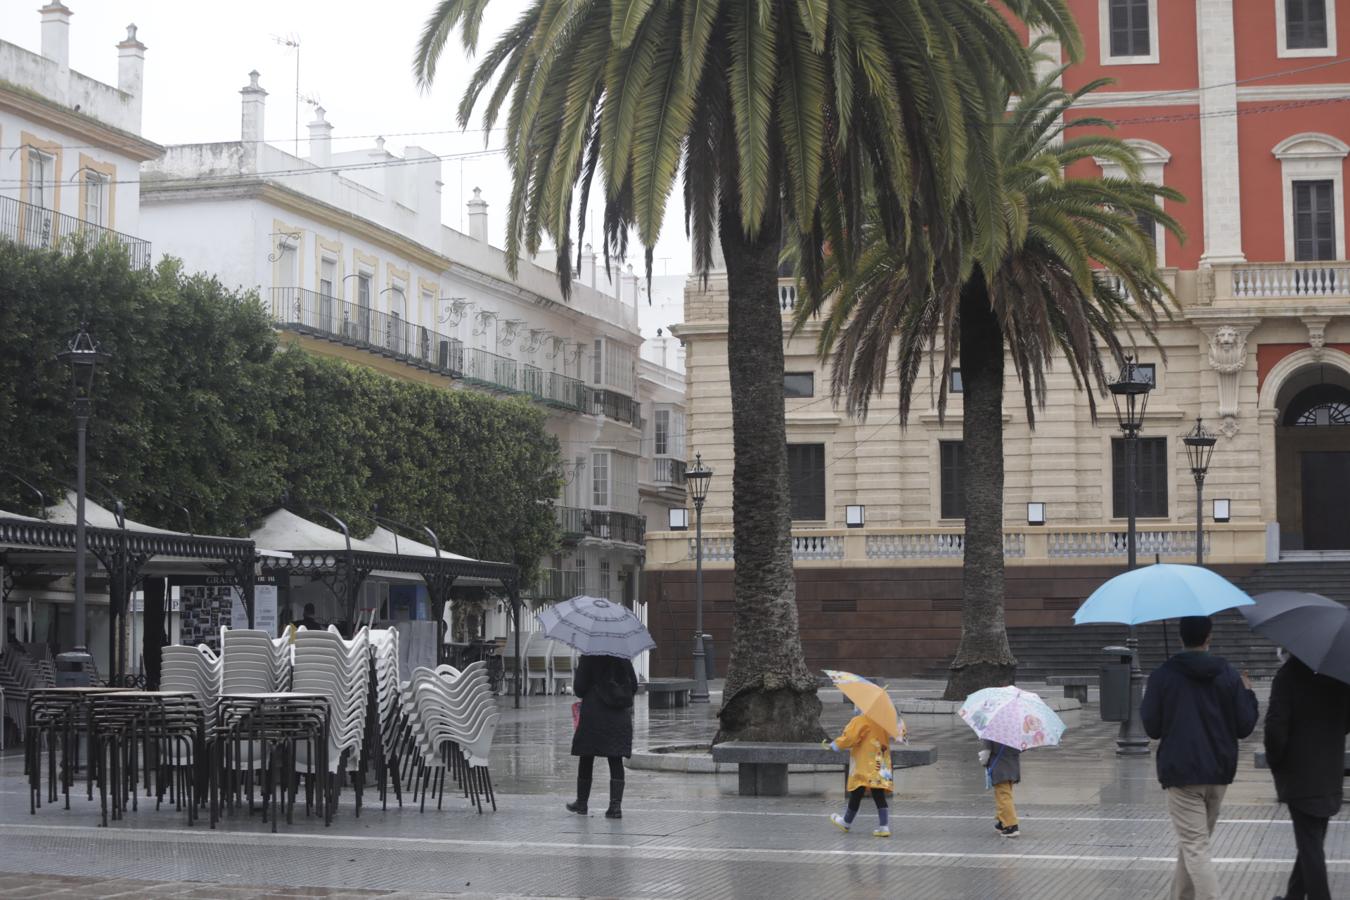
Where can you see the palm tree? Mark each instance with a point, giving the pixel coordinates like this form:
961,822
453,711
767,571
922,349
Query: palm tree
782,115
1022,282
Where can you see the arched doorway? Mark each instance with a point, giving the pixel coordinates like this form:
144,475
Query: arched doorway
1312,459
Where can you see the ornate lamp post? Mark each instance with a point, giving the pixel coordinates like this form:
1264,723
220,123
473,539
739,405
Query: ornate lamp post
1199,448
1130,393
697,477
83,356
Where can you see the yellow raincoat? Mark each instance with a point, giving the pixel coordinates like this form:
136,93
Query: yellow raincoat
869,746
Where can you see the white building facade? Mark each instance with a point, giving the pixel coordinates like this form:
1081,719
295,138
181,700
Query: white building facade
349,254
71,145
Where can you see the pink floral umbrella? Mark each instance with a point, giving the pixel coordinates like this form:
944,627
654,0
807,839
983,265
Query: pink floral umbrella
1012,716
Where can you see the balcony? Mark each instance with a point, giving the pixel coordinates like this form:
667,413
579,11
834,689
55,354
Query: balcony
666,470
1287,280
309,312
39,228
491,370
616,406
602,524
1023,545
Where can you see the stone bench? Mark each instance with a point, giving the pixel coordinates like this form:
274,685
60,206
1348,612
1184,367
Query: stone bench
1262,764
1075,686
762,767
668,693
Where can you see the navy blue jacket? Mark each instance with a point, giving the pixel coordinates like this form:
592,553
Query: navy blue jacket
1197,709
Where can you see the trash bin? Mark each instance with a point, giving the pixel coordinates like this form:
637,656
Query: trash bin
74,668
709,657
1115,685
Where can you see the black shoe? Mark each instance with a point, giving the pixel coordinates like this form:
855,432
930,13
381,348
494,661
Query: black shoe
615,810
578,807
1009,832
998,825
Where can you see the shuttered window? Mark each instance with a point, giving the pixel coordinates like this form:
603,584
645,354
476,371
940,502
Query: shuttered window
1151,494
951,461
806,481
1129,28
1314,220
1305,24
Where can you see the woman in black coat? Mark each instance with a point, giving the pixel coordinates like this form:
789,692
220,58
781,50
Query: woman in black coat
1306,724
606,686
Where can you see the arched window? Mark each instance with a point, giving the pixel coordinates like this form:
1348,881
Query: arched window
1319,405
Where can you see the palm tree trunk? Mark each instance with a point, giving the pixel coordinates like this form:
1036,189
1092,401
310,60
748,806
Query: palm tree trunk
983,658
770,694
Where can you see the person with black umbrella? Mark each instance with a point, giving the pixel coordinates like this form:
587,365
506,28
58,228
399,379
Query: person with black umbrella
1306,724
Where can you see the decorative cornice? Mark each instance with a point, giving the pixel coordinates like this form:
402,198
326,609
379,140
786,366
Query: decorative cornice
39,109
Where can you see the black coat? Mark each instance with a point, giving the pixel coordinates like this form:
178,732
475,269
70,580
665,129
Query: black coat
1306,725
1197,709
606,685
1005,763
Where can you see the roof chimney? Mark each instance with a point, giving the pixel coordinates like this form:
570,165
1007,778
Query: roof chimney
478,226
587,273
131,71
251,128
320,138
56,33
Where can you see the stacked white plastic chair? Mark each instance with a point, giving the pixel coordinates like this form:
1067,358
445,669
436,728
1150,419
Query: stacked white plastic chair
193,669
252,662
384,644
451,720
338,669
562,664
537,667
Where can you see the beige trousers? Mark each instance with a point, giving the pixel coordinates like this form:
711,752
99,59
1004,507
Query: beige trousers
1194,809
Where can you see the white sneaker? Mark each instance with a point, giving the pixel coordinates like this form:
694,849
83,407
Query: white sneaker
882,831
839,822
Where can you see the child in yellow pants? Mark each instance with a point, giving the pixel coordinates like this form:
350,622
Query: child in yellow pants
1002,769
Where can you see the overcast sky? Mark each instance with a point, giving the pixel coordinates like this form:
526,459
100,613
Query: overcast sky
355,59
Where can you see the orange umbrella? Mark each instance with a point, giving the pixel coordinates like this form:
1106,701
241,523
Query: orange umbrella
872,699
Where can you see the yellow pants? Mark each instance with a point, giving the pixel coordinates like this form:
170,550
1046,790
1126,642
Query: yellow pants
1003,803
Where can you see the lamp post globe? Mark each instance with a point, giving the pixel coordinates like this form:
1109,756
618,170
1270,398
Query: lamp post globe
83,356
698,477
1129,393
1199,444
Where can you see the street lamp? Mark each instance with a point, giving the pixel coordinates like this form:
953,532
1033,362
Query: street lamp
1130,393
83,356
697,477
1199,448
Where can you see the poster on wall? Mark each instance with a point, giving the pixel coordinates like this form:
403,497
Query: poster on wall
264,609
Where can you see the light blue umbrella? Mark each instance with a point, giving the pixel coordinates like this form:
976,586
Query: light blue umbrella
1160,591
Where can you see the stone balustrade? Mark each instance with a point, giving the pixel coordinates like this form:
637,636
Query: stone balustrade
936,546
1259,281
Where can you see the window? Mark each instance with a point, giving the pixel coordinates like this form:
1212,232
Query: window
1314,220
1129,26
799,384
599,365
954,384
661,431
327,278
604,579
1151,484
41,167
95,198
1146,373
581,573
951,462
1305,24
806,481
363,283
600,479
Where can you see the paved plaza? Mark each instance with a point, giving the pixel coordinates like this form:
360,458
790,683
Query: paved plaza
1093,826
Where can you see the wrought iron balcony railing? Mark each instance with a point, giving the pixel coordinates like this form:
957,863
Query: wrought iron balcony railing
613,405
39,228
310,312
666,470
610,526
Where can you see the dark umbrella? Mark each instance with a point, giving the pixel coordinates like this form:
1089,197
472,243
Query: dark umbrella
1312,627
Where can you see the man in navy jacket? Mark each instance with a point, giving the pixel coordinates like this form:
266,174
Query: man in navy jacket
1197,707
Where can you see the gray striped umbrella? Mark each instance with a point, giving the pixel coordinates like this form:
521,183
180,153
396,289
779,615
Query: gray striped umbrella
596,626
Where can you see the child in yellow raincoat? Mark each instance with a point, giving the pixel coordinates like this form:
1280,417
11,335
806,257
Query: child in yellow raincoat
869,767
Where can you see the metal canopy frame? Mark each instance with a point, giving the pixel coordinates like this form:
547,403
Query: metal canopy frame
123,553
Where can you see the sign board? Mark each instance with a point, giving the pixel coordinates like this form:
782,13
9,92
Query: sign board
264,609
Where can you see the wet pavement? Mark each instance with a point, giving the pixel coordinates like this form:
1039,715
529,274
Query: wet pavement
1094,825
